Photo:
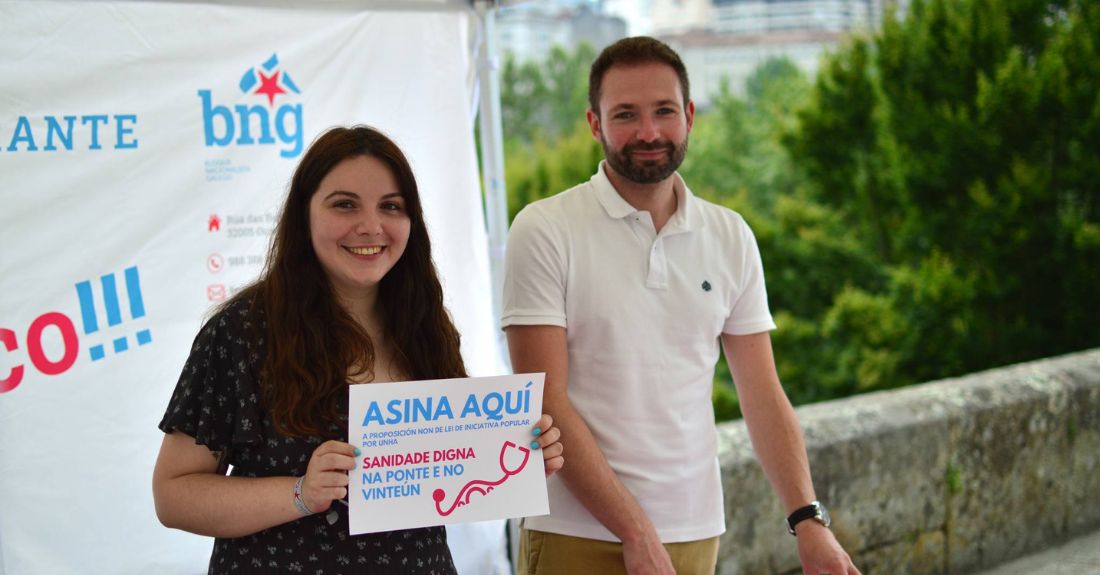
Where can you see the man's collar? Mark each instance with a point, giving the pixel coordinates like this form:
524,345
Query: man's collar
609,198
685,218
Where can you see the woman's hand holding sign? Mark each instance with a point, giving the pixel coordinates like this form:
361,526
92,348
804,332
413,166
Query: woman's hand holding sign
326,478
547,439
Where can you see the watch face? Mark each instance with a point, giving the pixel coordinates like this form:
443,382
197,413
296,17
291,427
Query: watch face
823,515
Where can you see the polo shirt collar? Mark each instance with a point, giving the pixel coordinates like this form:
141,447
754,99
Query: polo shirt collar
685,219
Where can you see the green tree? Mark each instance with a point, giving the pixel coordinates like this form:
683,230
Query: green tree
523,93
736,145
961,144
546,167
738,159
542,101
548,147
566,76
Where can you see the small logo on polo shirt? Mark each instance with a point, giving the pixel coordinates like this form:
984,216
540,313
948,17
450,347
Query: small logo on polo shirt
706,285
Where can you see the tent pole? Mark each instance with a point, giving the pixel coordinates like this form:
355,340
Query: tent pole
496,196
492,155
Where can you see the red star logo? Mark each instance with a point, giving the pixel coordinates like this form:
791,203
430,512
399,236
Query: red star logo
270,87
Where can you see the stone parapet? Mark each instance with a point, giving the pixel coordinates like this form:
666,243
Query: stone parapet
948,477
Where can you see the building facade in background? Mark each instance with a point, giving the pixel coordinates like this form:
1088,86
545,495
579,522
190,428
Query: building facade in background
754,17
530,30
725,40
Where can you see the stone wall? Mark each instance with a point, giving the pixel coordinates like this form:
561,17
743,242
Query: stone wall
948,477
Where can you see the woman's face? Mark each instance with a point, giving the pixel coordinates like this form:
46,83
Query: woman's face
358,225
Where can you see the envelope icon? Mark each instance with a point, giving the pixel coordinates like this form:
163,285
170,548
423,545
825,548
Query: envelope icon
215,292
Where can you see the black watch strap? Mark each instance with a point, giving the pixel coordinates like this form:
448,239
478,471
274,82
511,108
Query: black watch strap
811,511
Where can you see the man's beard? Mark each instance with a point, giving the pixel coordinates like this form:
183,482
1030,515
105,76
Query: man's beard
648,171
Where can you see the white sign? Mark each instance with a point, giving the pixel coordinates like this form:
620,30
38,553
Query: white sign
445,451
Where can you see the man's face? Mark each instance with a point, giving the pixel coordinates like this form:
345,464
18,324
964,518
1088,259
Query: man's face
643,122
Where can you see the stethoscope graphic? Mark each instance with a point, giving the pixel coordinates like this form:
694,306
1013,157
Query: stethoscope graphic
479,485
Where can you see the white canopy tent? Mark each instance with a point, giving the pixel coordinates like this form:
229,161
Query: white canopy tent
144,151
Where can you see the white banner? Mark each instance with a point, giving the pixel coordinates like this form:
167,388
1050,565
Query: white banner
144,151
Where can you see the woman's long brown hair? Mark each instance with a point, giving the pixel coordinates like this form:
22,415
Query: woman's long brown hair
313,345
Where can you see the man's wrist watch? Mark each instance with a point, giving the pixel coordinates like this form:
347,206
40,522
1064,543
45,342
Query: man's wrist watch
815,510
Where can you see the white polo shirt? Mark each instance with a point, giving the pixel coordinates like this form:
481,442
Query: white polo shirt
643,314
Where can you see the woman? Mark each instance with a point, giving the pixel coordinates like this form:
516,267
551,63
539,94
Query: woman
349,295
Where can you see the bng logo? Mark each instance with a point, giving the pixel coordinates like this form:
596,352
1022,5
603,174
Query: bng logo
98,343
255,124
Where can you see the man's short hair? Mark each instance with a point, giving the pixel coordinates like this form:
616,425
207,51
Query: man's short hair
630,52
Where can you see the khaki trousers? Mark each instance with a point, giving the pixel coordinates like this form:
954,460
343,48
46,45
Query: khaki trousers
542,553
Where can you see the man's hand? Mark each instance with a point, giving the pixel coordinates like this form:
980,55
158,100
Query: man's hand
820,552
647,557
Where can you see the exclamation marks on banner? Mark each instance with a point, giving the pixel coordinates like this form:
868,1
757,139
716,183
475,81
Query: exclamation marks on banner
113,310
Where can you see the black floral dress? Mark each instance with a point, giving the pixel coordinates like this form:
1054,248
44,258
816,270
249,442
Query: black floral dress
217,402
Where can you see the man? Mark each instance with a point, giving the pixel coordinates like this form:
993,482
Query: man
620,289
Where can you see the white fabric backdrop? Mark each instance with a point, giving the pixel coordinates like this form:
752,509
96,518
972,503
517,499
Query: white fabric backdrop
128,208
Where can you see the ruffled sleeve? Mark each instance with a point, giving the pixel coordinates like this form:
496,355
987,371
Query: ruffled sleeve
216,399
